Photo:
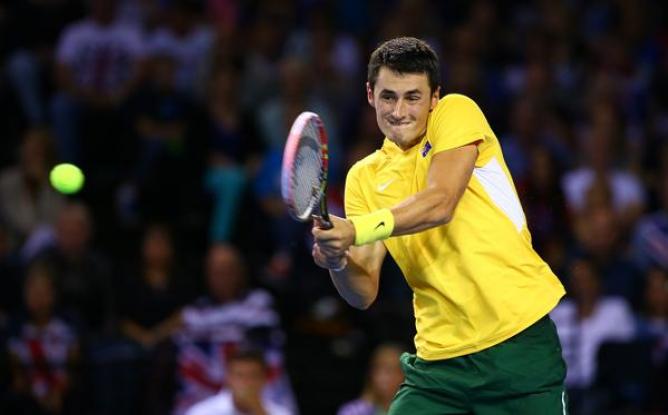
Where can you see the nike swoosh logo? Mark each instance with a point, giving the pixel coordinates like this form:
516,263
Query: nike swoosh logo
379,225
381,187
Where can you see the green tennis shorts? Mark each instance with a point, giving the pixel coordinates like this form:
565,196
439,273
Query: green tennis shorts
523,375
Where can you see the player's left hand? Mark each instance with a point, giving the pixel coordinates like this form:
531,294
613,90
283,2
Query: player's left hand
335,241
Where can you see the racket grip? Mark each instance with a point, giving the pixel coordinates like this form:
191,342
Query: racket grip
323,222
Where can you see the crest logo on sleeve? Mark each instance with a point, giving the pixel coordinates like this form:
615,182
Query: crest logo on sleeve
426,148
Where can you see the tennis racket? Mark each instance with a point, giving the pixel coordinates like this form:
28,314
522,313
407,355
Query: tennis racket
304,170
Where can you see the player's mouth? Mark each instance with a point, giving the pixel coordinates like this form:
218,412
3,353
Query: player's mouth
396,123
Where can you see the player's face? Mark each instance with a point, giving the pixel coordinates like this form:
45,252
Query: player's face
402,103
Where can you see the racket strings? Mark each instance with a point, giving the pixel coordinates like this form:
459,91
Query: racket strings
307,173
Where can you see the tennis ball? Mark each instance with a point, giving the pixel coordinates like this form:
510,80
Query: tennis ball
66,178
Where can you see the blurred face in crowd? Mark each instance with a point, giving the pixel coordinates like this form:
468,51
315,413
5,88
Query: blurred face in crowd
294,78
35,155
225,272
542,168
223,87
386,375
246,377
524,118
39,293
163,68
656,293
599,231
402,102
599,195
158,250
584,281
73,230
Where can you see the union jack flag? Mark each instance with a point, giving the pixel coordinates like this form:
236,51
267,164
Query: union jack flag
213,332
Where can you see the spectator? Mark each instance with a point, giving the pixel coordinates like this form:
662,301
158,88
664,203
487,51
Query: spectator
654,319
234,151
167,152
650,239
229,317
653,326
335,57
43,351
382,383
186,42
275,116
31,62
149,314
266,34
10,283
584,321
544,203
600,168
27,201
150,311
248,374
82,279
599,236
81,275
274,119
526,133
98,65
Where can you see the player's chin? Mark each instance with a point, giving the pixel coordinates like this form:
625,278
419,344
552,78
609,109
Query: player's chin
402,138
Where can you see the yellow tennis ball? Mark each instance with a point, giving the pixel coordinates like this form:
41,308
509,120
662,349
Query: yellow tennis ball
66,178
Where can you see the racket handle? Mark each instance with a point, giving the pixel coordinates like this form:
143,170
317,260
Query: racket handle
323,221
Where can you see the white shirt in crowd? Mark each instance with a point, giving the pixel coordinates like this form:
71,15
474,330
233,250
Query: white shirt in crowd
627,190
101,57
190,53
612,320
221,404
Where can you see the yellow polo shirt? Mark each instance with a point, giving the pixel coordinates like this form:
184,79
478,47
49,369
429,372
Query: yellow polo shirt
476,280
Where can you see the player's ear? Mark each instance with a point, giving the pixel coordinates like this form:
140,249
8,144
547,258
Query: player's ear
369,94
434,98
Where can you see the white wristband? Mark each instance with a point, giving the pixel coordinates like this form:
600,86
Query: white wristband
341,267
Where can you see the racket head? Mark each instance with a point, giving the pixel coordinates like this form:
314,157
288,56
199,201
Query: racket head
305,166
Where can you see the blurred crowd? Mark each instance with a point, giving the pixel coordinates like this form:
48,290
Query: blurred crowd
176,283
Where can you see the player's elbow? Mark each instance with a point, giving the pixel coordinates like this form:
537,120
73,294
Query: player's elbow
361,303
441,213
439,207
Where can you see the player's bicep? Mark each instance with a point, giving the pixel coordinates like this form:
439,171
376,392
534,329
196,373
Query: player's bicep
450,171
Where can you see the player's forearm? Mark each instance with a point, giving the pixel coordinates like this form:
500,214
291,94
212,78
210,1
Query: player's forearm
426,209
354,285
448,177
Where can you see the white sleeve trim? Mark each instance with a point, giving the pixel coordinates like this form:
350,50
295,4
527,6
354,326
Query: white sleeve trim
497,185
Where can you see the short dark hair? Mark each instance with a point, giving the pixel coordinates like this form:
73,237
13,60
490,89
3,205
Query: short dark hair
405,55
249,354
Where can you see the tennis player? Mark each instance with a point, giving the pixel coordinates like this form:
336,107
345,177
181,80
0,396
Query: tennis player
439,197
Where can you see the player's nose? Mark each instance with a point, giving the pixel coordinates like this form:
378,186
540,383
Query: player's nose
399,110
